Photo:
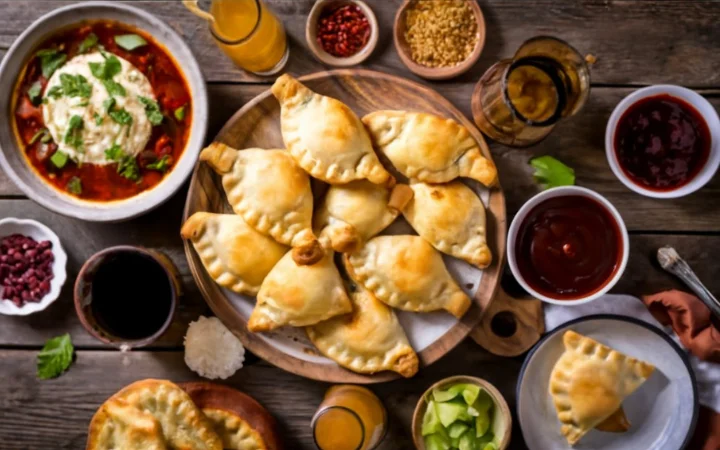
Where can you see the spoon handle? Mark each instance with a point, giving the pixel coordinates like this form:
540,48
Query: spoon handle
671,261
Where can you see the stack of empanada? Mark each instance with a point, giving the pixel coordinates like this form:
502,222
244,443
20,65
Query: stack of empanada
269,190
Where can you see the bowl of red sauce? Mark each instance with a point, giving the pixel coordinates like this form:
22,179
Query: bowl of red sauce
663,141
567,245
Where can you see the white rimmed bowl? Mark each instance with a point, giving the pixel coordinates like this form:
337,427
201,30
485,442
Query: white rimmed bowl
12,159
706,110
39,232
562,192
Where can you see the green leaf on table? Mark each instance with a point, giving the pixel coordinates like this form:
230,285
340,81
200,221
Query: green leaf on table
59,159
179,113
89,42
74,186
550,172
161,165
152,109
55,357
50,60
130,41
34,93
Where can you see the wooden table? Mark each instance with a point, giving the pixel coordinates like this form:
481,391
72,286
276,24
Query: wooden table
636,43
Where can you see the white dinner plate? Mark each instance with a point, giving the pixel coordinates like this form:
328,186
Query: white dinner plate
663,411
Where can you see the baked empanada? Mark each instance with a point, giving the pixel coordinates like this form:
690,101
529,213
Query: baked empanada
352,213
271,193
367,341
234,254
451,217
299,295
407,273
325,137
236,434
589,383
429,148
181,423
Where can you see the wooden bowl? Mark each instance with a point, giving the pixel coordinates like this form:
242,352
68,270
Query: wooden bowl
436,73
502,420
325,57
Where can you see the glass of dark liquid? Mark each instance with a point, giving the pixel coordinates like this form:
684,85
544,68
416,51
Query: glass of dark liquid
518,101
126,296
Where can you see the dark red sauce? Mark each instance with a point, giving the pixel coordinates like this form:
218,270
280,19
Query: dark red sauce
662,142
103,183
568,247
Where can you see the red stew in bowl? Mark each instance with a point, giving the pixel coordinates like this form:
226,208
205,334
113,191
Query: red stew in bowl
169,113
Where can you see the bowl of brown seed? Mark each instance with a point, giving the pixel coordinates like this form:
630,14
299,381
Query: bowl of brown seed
439,40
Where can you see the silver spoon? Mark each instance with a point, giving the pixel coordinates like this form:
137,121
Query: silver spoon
671,261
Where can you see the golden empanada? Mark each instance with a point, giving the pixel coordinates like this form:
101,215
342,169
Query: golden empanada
589,383
236,434
271,193
299,295
325,137
235,255
451,217
407,273
181,424
429,148
352,213
367,341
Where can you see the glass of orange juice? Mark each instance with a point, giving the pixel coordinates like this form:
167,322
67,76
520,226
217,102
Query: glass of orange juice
349,418
248,32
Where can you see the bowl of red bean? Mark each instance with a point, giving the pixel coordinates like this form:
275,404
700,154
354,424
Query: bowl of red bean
32,266
341,33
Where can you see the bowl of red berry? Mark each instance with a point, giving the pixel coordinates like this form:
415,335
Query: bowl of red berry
341,33
32,266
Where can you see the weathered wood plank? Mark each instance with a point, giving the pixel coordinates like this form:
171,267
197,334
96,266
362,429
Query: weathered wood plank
55,414
635,42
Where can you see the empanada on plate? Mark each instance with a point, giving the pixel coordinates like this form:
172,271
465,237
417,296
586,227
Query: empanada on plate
589,383
407,273
367,341
352,213
234,254
325,137
299,295
451,217
429,148
236,434
271,193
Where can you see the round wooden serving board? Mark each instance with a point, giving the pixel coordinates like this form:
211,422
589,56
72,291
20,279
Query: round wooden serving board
257,124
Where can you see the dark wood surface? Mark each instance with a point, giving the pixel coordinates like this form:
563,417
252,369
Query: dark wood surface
636,43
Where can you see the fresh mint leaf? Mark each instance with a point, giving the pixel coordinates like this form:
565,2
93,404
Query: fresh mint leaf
34,93
73,133
130,41
180,113
59,159
74,186
56,356
550,172
161,165
89,42
50,60
152,109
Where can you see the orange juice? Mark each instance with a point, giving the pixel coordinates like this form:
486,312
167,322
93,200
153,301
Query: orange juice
349,418
250,35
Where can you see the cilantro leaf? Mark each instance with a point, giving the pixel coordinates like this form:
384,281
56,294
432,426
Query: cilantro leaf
89,42
130,41
126,164
55,92
50,60
121,116
106,70
114,88
114,153
180,113
74,186
59,159
75,85
55,357
108,104
161,165
550,172
34,93
73,133
98,119
152,109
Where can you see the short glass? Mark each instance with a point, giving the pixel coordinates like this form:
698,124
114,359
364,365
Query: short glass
518,101
349,418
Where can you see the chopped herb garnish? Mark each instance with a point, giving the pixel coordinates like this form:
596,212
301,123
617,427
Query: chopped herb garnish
130,41
180,113
160,165
55,92
42,133
83,103
106,70
152,109
121,116
50,60
114,88
74,186
59,159
34,93
89,42
57,354
108,104
75,85
98,119
126,164
73,134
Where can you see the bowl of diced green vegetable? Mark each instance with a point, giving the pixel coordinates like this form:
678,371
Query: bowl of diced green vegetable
462,413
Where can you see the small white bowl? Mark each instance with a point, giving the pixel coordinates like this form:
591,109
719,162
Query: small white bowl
706,110
562,192
39,232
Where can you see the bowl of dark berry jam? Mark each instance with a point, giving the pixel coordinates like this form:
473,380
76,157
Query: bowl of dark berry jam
567,245
663,141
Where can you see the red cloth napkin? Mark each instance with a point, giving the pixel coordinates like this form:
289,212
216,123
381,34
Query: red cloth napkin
690,319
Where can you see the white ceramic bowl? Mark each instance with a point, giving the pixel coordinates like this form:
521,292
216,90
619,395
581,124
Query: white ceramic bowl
39,232
12,160
701,105
561,192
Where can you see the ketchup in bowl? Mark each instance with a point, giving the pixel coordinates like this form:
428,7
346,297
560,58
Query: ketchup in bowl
568,247
661,142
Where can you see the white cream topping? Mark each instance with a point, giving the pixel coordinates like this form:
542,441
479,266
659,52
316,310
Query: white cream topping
97,138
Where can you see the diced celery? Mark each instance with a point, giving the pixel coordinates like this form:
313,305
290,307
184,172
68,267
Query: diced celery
468,441
457,429
470,393
431,422
482,424
450,412
444,395
484,439
490,446
482,403
437,442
